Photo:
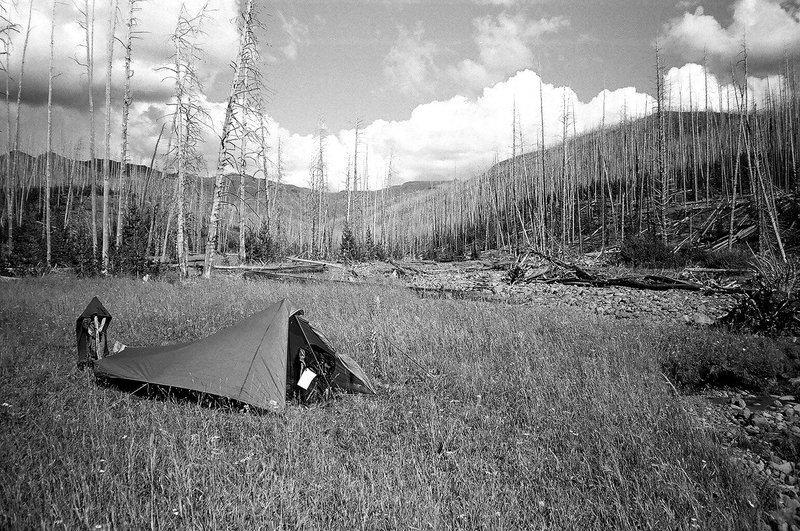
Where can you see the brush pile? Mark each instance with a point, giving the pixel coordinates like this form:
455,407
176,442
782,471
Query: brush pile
773,307
543,268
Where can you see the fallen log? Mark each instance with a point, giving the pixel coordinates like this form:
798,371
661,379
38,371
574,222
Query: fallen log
287,277
317,262
275,269
714,271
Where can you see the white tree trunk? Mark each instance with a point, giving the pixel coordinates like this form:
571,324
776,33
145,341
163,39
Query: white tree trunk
124,176
216,202
89,27
112,23
48,178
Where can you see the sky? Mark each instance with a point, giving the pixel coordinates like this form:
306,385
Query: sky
434,83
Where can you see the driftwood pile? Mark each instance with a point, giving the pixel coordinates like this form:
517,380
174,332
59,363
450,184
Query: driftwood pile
537,267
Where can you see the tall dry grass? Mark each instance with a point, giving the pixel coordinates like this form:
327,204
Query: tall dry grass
524,418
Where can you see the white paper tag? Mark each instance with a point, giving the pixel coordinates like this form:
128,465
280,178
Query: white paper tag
306,378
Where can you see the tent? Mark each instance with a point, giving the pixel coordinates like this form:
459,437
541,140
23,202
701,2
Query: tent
256,361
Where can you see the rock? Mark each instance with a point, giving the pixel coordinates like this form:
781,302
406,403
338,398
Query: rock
702,319
738,403
778,404
786,398
745,414
759,421
791,503
784,467
752,430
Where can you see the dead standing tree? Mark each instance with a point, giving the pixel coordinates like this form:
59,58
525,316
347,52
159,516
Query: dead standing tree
124,175
663,181
248,124
112,26
13,174
48,172
190,117
6,29
318,192
232,128
87,23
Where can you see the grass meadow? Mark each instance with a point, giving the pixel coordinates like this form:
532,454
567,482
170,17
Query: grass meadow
524,418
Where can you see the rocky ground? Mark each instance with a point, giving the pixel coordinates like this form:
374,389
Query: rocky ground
763,434
475,281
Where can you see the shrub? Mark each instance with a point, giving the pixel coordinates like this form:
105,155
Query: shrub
647,250
722,259
711,358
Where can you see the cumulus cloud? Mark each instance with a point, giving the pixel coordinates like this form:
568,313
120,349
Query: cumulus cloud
770,28
464,132
152,50
461,132
690,87
467,133
504,46
410,65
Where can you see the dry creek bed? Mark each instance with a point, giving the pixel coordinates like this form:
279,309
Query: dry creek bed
756,431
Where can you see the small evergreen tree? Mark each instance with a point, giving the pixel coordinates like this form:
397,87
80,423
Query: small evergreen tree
349,247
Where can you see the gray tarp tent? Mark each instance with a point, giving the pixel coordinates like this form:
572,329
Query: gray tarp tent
251,361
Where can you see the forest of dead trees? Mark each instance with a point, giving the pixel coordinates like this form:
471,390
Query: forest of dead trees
684,178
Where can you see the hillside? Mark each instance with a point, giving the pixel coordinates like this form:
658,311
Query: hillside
688,179
713,172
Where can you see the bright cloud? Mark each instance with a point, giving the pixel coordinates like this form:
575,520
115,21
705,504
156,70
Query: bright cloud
465,133
769,28
504,46
151,50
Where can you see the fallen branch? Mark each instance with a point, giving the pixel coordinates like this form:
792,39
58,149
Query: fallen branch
317,262
275,269
717,271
